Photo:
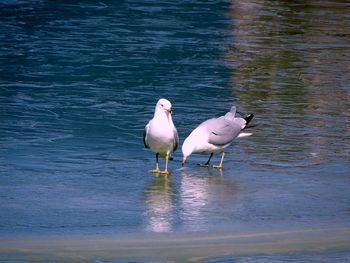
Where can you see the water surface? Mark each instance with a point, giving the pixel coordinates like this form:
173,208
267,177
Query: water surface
79,81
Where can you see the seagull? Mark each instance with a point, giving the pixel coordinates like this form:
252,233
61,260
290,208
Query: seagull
160,134
214,135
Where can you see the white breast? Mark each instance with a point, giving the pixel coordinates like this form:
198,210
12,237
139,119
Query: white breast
160,135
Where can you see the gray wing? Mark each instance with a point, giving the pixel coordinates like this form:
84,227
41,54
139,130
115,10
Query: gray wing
222,132
176,139
145,136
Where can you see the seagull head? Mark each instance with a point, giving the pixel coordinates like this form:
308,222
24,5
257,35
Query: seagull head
187,150
164,105
183,161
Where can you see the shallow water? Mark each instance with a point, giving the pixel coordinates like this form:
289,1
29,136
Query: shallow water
79,81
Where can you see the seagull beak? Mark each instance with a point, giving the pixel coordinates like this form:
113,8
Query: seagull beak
183,162
170,111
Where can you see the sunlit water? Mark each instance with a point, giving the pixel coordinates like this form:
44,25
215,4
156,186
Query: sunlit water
79,81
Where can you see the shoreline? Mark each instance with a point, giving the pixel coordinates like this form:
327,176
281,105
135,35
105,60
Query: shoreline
178,247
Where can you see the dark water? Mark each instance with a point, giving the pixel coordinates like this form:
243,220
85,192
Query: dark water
79,81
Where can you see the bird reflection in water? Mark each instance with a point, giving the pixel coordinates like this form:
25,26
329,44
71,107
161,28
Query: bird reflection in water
159,201
205,198
194,201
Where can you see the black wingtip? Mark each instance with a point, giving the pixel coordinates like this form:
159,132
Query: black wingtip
249,118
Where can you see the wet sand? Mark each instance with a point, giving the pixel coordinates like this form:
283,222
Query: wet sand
176,247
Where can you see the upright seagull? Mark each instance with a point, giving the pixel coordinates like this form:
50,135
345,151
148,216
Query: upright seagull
214,135
160,134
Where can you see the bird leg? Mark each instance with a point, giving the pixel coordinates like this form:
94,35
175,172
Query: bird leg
166,172
207,163
219,166
157,170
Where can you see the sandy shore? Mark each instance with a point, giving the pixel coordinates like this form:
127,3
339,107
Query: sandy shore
177,247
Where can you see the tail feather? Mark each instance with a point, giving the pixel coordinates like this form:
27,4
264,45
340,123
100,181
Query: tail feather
244,134
249,118
230,116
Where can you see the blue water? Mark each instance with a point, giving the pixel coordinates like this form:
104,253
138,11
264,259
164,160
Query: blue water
323,257
79,81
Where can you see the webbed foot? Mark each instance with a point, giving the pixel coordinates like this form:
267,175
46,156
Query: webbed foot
217,166
155,171
165,172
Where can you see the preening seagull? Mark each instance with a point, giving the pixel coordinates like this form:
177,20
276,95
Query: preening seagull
214,135
160,134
